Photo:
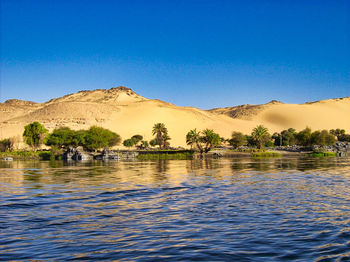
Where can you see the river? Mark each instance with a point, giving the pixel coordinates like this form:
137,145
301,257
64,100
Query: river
247,209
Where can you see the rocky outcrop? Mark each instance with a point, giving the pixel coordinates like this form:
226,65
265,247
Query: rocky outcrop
77,154
108,155
341,148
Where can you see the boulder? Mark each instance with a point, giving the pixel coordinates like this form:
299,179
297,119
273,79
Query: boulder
77,154
108,155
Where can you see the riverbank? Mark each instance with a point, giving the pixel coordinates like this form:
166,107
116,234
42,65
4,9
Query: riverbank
164,154
28,155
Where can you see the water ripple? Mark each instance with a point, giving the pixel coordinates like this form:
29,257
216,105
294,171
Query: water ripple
215,210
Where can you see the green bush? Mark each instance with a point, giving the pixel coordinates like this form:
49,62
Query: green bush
266,154
166,156
238,139
98,137
34,134
322,154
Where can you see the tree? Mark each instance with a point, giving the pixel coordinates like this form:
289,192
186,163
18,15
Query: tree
304,137
250,140
238,139
161,133
6,145
153,142
337,132
144,144
277,137
260,136
322,138
137,138
285,138
34,134
60,137
78,138
288,137
129,142
166,139
98,137
203,141
192,138
345,138
210,139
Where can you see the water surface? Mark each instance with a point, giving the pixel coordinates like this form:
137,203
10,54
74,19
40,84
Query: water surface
210,210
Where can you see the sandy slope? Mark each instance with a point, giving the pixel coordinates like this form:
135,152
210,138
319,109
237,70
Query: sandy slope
325,114
127,113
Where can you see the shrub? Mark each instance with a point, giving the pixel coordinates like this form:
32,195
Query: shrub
266,154
304,137
5,145
98,137
129,142
238,139
34,134
322,154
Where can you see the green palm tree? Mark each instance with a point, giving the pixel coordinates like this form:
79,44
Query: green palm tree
210,139
260,136
204,141
193,138
161,133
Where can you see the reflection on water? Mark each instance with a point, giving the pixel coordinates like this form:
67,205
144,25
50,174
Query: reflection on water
215,209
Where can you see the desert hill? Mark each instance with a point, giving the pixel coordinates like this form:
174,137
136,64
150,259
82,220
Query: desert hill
127,113
324,114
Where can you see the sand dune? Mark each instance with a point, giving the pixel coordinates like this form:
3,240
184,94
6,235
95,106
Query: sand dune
127,113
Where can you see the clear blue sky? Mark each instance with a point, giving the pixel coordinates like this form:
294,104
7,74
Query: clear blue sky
192,53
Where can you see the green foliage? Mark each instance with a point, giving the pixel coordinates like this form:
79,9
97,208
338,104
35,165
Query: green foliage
322,154
340,134
337,132
161,133
285,138
344,138
78,138
137,138
133,141
34,134
60,137
266,154
250,140
260,135
193,138
323,138
304,137
269,143
6,145
144,144
166,156
238,139
203,141
98,137
46,155
27,155
129,142
64,137
153,142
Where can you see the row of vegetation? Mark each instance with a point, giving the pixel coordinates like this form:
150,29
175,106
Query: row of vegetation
260,137
202,141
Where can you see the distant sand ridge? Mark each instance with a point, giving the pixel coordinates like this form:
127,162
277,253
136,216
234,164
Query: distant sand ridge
123,111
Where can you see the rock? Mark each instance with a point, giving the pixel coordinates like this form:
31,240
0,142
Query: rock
341,148
77,154
69,153
108,155
129,155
